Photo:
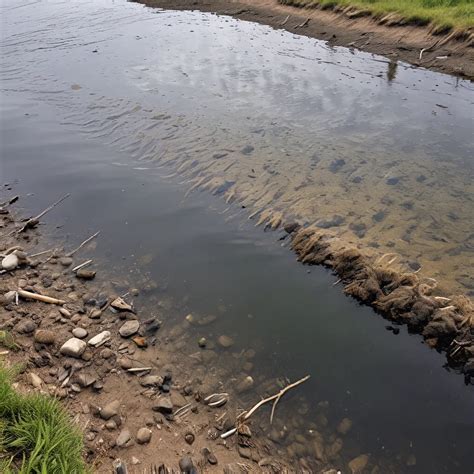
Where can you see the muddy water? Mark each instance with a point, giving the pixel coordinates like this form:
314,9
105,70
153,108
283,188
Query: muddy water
172,101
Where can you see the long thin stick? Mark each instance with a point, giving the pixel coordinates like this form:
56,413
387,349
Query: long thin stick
40,253
70,254
82,265
38,297
34,220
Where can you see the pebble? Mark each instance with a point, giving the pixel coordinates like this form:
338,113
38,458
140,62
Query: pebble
186,465
35,380
225,341
95,313
111,425
140,341
202,342
73,347
43,336
123,438
10,262
344,426
245,384
110,410
25,327
189,438
211,459
85,380
129,328
99,339
80,333
10,296
85,274
163,405
143,435
358,464
150,380
65,261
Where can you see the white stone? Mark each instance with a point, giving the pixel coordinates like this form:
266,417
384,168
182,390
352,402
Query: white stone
100,339
10,262
73,347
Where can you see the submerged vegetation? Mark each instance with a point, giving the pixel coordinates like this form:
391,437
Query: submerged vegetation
36,434
441,13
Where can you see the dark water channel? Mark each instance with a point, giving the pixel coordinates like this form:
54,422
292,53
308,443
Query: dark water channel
199,249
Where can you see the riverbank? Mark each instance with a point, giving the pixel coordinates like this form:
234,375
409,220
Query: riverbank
431,48
72,336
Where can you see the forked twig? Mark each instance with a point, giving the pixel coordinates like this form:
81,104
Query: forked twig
247,414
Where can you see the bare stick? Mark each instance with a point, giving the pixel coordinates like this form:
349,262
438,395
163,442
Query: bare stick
285,20
303,24
34,220
247,414
40,253
38,297
82,265
70,254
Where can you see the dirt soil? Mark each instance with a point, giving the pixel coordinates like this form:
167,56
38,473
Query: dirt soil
442,53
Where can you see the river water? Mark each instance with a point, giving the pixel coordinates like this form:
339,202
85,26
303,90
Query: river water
134,111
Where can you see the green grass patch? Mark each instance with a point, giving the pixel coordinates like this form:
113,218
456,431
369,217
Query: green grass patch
36,434
442,13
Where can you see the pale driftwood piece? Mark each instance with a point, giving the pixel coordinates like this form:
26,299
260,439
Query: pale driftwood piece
93,236
285,21
38,297
35,220
40,253
82,265
140,369
247,414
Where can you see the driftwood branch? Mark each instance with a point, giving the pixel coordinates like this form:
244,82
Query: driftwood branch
82,265
285,21
38,297
33,222
275,398
93,236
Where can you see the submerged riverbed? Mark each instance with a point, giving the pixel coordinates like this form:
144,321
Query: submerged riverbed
288,124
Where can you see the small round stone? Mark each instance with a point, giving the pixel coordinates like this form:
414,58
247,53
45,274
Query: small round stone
80,333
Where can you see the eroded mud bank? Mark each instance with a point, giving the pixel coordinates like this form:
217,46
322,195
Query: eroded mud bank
446,323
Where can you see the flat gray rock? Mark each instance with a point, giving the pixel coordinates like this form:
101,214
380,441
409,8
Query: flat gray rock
129,328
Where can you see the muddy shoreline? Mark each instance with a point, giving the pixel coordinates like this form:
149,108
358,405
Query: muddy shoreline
398,43
118,372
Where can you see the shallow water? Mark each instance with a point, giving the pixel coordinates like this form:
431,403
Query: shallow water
147,99
279,121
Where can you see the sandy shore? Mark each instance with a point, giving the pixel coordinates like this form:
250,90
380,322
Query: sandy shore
399,43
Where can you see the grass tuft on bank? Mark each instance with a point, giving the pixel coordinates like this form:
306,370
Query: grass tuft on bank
444,14
36,434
